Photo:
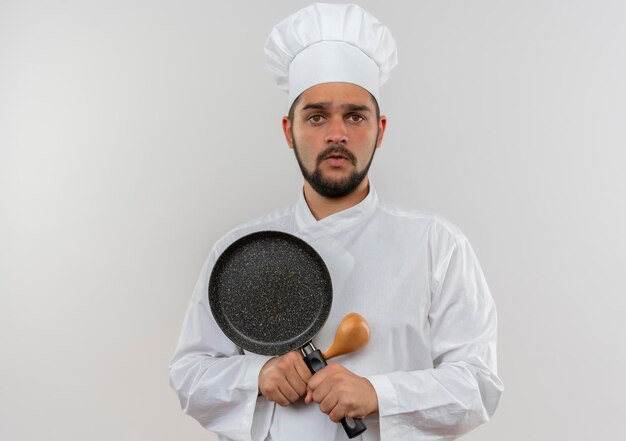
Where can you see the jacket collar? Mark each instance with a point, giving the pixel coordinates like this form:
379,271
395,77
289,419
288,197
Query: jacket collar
307,225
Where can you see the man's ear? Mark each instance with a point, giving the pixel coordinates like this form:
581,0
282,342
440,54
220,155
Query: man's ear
288,131
382,125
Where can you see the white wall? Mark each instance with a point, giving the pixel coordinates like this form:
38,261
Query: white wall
134,133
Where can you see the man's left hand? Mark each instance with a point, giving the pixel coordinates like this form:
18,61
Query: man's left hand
341,393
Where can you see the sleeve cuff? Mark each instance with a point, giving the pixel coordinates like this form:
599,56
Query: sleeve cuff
387,398
255,365
259,410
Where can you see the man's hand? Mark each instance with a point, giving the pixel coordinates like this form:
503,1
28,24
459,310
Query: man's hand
341,393
283,379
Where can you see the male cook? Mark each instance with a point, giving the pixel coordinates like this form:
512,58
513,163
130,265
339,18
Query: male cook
429,370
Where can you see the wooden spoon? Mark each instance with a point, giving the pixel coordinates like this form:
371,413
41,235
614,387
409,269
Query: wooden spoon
352,334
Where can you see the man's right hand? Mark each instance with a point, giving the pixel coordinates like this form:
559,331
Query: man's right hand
283,379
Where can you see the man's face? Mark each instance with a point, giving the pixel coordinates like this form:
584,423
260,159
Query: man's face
334,134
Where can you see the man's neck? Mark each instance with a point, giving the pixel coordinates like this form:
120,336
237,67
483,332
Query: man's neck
322,206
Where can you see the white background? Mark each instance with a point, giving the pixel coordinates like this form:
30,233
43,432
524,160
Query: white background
133,134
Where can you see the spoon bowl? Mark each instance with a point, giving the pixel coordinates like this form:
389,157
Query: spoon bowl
352,334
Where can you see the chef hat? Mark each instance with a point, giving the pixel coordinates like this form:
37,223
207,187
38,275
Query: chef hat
330,43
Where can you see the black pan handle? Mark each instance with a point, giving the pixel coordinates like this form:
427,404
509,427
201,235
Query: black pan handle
316,361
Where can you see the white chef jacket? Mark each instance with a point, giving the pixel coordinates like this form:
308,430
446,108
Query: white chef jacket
432,353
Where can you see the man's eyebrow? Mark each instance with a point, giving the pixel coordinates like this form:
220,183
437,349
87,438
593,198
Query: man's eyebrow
325,105
356,107
316,106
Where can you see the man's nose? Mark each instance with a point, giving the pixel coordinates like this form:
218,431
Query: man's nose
337,132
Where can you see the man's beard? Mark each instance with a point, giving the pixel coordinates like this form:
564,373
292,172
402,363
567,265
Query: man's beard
332,188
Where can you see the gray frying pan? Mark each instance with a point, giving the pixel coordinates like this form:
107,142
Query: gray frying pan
270,292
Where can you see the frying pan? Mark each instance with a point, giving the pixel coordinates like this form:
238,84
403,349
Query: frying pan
270,292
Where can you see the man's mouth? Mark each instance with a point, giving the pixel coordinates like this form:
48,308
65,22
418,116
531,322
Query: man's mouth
337,156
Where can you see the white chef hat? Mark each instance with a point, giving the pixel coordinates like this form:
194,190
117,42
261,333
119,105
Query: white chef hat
330,43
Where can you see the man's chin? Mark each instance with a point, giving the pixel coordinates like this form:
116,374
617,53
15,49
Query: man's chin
334,188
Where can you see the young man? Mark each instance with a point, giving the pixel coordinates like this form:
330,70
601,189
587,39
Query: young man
429,371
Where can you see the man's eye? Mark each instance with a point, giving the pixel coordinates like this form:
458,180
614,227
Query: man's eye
356,118
316,118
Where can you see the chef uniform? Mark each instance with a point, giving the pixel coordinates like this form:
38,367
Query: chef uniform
412,275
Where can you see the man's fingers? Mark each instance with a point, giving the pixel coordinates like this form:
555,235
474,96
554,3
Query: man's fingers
328,404
278,398
297,373
296,382
279,394
303,370
341,393
318,378
288,392
284,379
337,413
321,392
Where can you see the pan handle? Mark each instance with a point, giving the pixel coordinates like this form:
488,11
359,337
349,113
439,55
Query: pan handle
315,361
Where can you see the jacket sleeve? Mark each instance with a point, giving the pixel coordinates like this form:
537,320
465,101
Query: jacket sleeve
462,389
216,384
